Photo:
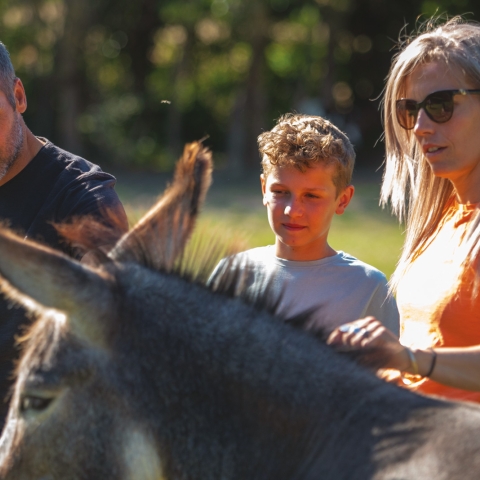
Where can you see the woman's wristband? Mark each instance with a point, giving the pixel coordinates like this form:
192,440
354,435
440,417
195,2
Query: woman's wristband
413,361
432,365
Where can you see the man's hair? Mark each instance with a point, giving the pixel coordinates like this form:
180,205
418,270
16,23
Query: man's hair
7,75
303,141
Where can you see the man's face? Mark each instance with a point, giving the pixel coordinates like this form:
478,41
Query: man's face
300,207
11,134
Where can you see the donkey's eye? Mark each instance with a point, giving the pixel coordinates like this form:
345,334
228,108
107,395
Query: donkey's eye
30,402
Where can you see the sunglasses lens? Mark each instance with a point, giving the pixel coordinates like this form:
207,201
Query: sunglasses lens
407,113
439,106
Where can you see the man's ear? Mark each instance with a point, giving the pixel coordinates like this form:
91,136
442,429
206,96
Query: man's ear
264,186
344,199
20,96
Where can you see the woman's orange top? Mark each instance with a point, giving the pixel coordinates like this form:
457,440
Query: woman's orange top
435,298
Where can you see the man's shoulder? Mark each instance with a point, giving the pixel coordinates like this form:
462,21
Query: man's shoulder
81,187
71,187
72,166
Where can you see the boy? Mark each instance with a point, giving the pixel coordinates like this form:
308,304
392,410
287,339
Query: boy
307,167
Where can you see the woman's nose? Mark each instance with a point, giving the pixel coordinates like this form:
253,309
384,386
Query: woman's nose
424,124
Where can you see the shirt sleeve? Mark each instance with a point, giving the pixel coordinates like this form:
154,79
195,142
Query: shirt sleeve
383,307
217,272
92,195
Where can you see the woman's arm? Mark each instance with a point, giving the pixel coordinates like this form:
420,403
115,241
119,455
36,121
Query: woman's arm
455,367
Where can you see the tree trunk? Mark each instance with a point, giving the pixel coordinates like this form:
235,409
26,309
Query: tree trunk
247,119
70,75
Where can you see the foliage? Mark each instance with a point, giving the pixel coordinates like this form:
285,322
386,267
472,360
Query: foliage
130,82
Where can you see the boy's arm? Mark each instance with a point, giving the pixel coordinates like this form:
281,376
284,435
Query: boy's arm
383,306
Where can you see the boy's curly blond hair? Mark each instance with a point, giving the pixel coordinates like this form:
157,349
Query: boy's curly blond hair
303,141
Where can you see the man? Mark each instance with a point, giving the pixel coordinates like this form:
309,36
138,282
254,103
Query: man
40,185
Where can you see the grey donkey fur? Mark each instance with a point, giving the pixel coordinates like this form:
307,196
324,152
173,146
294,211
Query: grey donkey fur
133,371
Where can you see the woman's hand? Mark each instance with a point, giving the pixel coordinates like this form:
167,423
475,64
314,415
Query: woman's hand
369,333
457,367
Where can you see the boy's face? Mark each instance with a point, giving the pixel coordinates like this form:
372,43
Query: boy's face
300,210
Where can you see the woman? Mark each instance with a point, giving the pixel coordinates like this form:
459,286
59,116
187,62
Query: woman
432,179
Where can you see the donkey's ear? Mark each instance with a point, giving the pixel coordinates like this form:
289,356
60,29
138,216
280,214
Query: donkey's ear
30,271
160,236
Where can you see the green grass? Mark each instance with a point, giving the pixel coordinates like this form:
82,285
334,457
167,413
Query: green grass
234,208
368,232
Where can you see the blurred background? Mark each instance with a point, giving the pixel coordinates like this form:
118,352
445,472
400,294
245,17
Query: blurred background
126,83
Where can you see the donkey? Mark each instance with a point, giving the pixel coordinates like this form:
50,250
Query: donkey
135,370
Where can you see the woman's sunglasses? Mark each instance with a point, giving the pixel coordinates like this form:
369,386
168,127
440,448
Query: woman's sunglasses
438,106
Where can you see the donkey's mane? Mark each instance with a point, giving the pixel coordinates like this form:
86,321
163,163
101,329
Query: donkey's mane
195,265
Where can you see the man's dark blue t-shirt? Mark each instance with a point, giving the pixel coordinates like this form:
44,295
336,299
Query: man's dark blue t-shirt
53,188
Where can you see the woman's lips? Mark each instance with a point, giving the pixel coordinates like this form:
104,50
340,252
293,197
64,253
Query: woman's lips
432,149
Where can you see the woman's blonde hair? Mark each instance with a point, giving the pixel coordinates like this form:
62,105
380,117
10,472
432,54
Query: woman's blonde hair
416,196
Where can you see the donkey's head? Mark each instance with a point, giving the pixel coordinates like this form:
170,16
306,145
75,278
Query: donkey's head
80,348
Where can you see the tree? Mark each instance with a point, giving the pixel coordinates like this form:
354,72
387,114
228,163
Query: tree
130,82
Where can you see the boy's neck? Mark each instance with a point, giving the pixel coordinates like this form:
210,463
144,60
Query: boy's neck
302,254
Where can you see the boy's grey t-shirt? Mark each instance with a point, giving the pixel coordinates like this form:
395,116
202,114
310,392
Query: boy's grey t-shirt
337,289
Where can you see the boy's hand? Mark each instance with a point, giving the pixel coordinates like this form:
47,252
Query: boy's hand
370,333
